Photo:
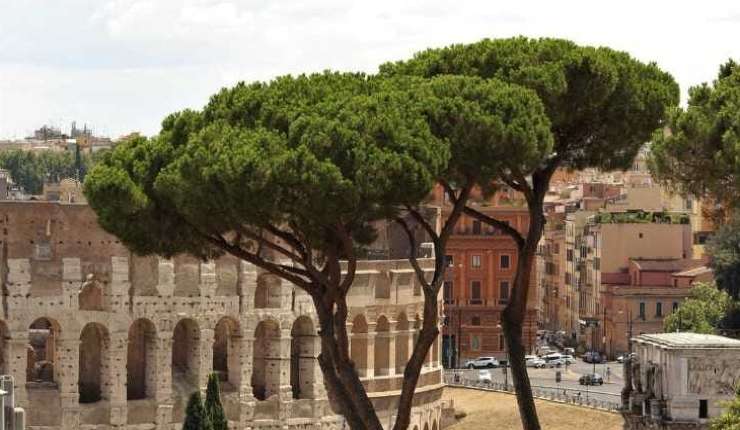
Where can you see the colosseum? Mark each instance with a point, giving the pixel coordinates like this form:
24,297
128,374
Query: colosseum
98,338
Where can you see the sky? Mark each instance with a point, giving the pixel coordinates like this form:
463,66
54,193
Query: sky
123,65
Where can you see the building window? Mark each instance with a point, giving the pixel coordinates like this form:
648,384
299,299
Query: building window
642,311
448,291
501,343
475,298
556,248
475,261
504,261
640,235
675,306
597,263
475,321
569,254
703,409
475,342
504,292
449,260
659,309
568,278
476,227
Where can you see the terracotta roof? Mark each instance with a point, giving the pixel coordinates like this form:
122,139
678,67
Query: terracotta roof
701,270
666,265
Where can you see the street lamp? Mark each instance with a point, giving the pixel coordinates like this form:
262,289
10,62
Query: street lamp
627,389
508,361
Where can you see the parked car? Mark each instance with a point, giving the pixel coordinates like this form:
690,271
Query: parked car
592,357
623,357
569,359
556,362
534,361
552,356
591,379
569,351
482,362
484,376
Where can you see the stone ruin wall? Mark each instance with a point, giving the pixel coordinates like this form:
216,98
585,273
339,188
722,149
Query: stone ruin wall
98,338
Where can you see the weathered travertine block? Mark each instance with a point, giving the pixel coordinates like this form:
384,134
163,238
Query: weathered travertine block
166,284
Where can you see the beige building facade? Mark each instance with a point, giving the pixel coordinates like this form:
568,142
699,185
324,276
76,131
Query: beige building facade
98,338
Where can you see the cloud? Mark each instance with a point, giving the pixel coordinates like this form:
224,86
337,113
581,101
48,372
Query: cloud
122,65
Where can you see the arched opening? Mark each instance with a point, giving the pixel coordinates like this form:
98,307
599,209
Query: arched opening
185,358
266,360
358,345
91,297
3,348
226,347
141,360
426,426
41,353
382,347
94,344
268,291
402,343
302,358
434,425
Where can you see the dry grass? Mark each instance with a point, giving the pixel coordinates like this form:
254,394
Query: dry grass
491,410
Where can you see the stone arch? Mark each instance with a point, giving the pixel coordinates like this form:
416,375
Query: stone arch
41,368
226,353
92,371
185,357
141,362
358,345
91,297
266,360
402,343
267,292
382,347
303,358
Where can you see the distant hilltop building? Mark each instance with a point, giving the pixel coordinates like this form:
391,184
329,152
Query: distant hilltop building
50,138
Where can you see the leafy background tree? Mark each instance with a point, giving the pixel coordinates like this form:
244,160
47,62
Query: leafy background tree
724,250
702,312
602,105
214,410
698,153
30,169
730,418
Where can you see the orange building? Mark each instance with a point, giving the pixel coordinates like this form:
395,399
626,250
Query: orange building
482,264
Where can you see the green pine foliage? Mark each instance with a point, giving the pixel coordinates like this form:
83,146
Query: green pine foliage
699,153
195,414
213,407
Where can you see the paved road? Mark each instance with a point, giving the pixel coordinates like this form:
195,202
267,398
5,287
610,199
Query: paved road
610,391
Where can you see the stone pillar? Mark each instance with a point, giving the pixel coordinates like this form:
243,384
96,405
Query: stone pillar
115,376
16,358
19,282
246,397
163,390
208,281
166,285
71,282
391,351
370,371
66,369
119,286
285,389
247,285
205,367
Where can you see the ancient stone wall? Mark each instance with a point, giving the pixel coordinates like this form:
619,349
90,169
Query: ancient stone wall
97,338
